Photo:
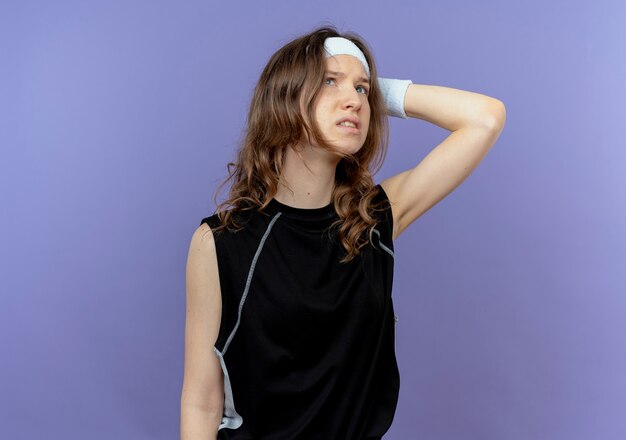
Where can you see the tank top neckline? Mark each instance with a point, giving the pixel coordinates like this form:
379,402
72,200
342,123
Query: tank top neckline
323,213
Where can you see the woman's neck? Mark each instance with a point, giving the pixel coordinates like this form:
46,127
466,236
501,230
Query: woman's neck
308,178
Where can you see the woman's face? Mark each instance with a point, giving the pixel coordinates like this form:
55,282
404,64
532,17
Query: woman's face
342,109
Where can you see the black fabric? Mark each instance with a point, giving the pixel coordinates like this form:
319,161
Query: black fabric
308,349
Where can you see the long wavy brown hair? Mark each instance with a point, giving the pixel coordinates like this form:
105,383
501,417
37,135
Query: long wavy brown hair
291,81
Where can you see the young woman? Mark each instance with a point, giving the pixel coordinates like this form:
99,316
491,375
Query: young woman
290,326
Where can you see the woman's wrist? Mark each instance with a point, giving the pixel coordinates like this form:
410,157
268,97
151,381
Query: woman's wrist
394,91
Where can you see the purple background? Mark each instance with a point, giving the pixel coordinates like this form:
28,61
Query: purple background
117,120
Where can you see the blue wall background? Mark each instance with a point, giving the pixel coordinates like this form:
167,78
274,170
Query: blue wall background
117,120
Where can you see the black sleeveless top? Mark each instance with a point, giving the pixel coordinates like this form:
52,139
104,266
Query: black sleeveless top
306,344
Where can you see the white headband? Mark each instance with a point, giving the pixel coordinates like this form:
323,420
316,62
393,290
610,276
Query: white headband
343,46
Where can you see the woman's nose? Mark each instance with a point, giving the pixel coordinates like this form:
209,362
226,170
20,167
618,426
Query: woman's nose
350,98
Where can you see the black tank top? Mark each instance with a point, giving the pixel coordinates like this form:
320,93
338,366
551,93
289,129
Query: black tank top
306,344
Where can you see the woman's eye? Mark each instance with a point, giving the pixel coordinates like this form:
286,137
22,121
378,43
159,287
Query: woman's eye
362,88
329,79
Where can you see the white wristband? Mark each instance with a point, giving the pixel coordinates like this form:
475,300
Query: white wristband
393,91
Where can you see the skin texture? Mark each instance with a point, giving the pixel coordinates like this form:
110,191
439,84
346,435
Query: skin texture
308,174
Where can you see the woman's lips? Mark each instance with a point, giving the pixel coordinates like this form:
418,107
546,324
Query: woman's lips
347,129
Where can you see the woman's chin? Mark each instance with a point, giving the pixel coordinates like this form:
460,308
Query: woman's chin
349,148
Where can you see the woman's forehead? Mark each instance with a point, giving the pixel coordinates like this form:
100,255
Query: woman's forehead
346,64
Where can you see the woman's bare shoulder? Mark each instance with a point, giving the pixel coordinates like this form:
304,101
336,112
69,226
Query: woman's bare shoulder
202,241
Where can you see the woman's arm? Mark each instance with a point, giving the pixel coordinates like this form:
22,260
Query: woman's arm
202,397
453,109
475,121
